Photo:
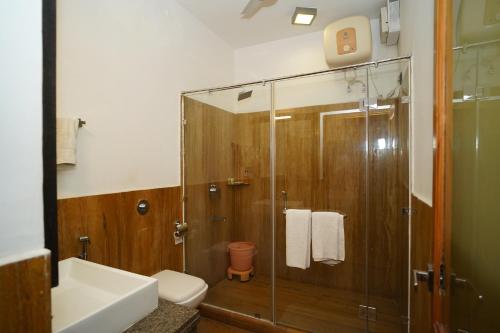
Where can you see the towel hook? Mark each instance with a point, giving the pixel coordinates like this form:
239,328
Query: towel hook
81,123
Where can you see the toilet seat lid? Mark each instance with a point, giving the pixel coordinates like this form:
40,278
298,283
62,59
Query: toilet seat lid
178,287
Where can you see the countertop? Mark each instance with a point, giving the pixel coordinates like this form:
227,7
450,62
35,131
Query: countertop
167,318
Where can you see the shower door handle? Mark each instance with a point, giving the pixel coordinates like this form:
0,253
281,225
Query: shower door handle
427,276
180,228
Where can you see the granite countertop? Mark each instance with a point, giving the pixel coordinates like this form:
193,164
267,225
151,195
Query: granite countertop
167,318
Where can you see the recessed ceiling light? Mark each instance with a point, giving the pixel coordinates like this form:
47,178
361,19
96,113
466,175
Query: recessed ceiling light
304,16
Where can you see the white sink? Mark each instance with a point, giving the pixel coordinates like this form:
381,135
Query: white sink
97,298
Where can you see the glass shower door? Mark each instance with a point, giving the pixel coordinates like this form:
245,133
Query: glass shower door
321,165
388,196
476,189
226,181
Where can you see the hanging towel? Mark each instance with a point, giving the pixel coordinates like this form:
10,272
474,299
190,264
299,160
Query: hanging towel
66,132
328,244
298,238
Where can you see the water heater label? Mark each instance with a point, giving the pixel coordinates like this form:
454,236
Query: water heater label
346,41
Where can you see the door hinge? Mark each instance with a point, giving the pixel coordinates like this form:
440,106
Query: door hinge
442,277
367,312
407,211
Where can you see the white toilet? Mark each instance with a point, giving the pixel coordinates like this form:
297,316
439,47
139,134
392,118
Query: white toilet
180,288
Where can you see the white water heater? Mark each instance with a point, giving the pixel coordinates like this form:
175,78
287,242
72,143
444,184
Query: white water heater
348,41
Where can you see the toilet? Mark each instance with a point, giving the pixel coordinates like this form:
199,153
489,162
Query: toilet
180,288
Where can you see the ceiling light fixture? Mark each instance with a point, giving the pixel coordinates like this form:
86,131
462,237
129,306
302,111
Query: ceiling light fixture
304,16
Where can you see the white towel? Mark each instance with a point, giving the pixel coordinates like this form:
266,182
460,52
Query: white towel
298,238
66,132
328,243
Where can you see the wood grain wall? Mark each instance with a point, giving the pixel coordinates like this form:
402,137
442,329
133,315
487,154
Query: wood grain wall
252,203
209,160
341,185
25,296
220,144
120,237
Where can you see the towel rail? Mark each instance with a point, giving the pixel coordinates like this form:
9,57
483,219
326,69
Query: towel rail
284,195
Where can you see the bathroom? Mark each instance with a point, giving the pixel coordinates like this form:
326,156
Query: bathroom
249,166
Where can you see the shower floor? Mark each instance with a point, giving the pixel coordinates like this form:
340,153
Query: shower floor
305,306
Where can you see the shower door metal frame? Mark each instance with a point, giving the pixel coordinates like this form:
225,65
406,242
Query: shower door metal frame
272,152
283,78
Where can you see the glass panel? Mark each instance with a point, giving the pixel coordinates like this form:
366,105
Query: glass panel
321,165
476,189
388,193
227,189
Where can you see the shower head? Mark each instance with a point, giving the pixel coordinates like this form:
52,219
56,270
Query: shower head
244,95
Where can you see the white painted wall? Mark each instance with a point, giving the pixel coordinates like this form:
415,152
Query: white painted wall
301,54
296,55
318,89
121,67
304,54
21,199
417,39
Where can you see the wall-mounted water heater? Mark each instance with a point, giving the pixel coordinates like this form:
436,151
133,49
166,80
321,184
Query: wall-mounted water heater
348,41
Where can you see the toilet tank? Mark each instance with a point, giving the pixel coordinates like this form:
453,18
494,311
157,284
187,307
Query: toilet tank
348,41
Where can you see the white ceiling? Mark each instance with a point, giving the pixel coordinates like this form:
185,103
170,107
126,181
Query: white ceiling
274,22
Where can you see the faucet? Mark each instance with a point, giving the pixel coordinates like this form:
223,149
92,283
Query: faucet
85,240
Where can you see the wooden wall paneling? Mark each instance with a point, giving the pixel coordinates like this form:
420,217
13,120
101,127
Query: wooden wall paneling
119,236
217,144
171,254
252,204
70,226
196,183
208,160
345,179
388,195
100,218
342,188
388,188
140,247
297,169
25,296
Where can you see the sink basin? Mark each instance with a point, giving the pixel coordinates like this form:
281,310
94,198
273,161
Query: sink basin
97,298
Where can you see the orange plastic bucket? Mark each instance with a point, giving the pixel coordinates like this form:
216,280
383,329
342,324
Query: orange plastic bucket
241,254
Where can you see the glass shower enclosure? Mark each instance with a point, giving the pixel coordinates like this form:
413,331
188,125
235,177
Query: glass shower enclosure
337,141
